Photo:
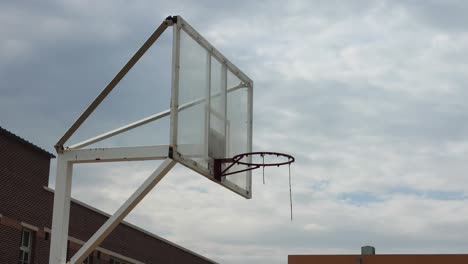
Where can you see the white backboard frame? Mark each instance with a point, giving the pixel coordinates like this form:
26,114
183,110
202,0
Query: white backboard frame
178,27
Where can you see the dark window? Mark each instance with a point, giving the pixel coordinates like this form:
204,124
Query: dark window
25,247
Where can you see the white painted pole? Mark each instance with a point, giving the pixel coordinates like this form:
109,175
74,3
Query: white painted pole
122,212
61,214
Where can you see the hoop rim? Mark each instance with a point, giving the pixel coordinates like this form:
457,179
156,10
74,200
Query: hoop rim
236,159
251,166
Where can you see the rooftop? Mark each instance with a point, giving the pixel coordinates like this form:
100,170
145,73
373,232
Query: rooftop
24,141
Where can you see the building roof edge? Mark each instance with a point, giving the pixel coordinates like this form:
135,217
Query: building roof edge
23,141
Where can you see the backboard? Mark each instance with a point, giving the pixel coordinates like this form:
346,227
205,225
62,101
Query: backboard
211,108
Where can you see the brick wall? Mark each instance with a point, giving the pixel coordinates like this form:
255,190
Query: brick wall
9,242
41,247
24,172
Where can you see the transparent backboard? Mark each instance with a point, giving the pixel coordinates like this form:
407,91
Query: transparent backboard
211,109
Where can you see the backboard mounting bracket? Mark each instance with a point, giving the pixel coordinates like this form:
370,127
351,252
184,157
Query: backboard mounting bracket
172,18
171,152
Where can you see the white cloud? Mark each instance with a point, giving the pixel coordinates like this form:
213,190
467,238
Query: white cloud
368,96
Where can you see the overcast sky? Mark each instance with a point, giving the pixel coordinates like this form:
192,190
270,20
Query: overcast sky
369,96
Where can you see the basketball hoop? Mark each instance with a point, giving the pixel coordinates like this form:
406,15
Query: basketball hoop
237,160
219,172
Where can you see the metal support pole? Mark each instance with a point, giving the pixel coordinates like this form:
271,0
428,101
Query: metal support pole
175,84
122,212
61,214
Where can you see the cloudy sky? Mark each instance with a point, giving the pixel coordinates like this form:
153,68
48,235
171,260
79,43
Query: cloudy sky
369,96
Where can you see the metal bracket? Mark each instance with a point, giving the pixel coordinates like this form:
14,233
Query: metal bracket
219,173
170,154
172,18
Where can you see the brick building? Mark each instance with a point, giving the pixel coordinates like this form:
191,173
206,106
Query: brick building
368,256
26,215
